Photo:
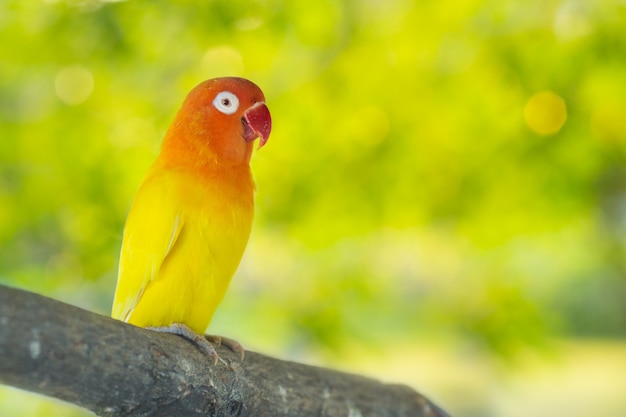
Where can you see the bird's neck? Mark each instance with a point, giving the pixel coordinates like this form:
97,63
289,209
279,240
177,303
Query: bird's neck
196,146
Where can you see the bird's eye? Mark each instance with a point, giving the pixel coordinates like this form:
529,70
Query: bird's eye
226,102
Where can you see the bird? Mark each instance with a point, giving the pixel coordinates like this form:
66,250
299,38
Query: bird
191,217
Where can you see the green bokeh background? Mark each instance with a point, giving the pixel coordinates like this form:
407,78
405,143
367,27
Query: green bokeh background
408,212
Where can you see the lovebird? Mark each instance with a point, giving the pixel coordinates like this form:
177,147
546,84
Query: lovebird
190,220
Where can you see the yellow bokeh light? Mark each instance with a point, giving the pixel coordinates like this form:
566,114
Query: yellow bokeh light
545,113
571,21
73,85
222,61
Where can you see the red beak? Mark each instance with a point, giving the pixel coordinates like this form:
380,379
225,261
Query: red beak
257,122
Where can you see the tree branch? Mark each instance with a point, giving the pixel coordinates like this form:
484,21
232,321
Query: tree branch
115,369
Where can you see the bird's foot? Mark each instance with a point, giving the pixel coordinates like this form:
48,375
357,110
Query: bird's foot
232,345
202,342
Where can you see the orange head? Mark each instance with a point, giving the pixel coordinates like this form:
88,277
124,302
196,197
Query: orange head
218,122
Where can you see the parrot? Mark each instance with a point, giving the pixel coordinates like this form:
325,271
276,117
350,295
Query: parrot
191,217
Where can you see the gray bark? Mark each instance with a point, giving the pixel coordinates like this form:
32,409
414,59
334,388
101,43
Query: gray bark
115,369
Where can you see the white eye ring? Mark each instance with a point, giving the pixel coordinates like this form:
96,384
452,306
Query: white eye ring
226,102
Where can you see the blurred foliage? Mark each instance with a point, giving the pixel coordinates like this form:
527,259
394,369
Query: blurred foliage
435,167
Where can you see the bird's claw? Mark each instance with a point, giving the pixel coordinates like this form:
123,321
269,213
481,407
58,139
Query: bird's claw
232,345
202,342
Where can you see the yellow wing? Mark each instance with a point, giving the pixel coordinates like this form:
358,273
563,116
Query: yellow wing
152,228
